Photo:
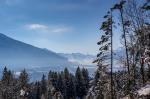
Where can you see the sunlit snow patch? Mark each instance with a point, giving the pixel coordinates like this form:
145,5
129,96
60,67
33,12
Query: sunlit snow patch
144,91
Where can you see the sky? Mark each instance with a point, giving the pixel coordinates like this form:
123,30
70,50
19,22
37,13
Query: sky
62,26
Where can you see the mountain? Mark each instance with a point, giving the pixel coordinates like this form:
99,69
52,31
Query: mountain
85,60
82,59
16,54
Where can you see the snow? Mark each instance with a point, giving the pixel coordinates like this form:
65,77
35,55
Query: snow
148,63
22,92
144,91
17,73
126,97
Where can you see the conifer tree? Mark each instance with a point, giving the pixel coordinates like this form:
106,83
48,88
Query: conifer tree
60,84
66,83
79,83
37,85
85,78
6,88
72,92
23,79
102,79
69,90
5,77
43,85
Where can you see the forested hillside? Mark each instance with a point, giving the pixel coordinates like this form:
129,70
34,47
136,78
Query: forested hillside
55,85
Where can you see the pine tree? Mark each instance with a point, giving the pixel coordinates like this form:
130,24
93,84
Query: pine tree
60,84
85,78
79,83
72,92
23,79
37,85
102,88
43,85
66,84
7,84
5,77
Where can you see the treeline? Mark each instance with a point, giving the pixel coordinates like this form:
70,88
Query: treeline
133,25
56,85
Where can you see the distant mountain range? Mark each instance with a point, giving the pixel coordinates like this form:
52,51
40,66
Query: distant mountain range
17,55
83,59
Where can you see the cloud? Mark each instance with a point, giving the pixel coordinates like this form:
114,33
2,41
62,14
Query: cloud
36,26
47,29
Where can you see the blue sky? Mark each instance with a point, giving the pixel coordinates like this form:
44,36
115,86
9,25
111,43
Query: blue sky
59,25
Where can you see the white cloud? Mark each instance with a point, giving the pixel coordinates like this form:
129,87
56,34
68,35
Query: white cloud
47,29
36,26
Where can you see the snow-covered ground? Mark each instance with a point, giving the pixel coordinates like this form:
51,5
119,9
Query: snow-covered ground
144,91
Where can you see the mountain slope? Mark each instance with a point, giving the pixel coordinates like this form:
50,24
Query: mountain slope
14,53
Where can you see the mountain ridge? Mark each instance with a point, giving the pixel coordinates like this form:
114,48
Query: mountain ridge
15,53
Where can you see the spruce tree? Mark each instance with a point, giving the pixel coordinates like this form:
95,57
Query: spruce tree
66,83
103,82
6,88
43,85
72,92
37,90
85,78
23,79
60,84
5,76
79,83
